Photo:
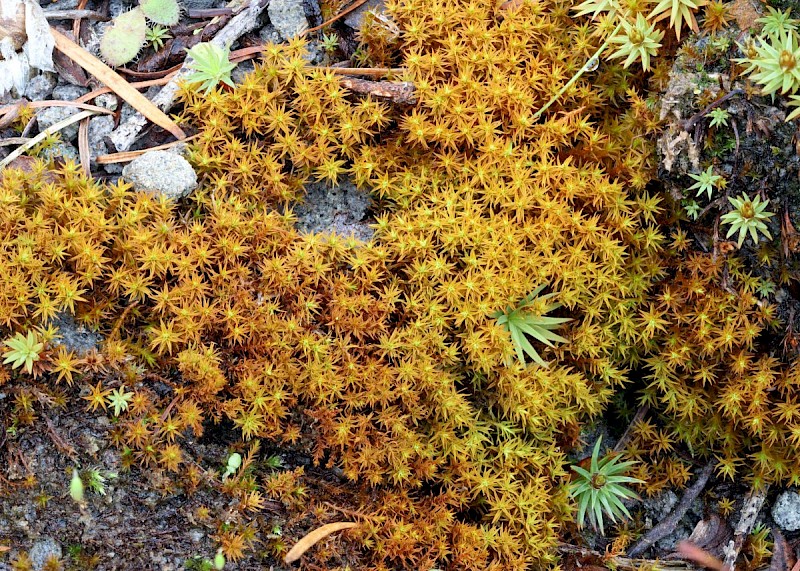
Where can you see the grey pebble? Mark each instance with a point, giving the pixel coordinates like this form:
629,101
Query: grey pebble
161,172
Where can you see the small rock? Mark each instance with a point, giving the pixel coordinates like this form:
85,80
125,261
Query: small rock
660,506
355,18
161,172
786,511
52,115
106,101
339,209
43,550
202,4
288,17
268,35
196,535
74,337
99,129
60,5
241,70
67,92
41,86
63,151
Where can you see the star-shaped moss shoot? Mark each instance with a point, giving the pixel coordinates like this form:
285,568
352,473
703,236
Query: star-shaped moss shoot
775,64
23,351
638,41
748,215
706,182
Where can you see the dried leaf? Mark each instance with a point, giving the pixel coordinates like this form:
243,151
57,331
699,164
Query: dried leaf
782,556
118,84
69,71
312,538
39,48
745,12
84,152
127,156
12,22
24,27
698,555
14,68
711,534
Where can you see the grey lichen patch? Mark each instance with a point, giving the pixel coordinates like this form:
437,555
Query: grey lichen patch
341,210
786,511
74,337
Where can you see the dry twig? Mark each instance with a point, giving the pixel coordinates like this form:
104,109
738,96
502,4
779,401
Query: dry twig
625,563
75,15
747,519
667,525
310,539
396,91
128,156
44,134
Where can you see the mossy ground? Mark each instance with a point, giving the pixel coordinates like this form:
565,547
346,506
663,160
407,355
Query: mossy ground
382,363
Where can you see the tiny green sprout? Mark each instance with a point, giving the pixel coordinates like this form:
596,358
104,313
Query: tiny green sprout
96,480
219,560
719,117
23,351
275,462
76,486
748,215
692,208
156,36
119,400
528,318
42,499
211,65
330,42
706,181
600,490
638,41
765,288
776,22
234,463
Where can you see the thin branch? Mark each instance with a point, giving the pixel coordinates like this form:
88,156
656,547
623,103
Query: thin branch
396,91
128,156
747,519
340,15
694,119
626,563
668,524
44,134
75,15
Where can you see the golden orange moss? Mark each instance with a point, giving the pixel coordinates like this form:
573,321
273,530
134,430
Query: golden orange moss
381,358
